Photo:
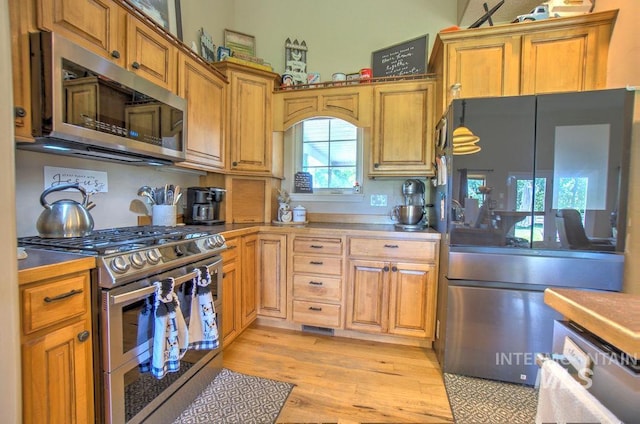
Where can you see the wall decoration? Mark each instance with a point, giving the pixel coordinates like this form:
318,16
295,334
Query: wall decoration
92,181
296,60
239,42
207,48
223,53
407,58
165,13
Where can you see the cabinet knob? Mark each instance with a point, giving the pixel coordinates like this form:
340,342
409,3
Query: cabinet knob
135,65
234,163
394,268
83,336
376,165
19,112
385,269
115,54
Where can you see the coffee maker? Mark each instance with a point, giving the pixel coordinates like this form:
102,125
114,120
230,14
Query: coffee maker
203,205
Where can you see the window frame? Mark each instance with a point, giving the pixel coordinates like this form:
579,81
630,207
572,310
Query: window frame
348,192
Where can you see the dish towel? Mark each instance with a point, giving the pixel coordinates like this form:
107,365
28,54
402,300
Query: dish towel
170,335
562,399
203,329
145,331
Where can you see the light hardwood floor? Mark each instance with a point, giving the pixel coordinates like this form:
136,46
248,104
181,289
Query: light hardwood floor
344,380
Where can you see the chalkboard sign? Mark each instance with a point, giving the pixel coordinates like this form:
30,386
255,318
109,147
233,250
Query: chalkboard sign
406,58
303,182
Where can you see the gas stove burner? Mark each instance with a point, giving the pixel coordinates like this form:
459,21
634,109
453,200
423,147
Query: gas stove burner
109,241
129,253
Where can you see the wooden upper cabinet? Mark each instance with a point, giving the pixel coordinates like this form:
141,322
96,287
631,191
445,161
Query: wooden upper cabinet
249,119
22,23
351,103
150,54
484,68
575,58
205,94
403,119
551,55
98,25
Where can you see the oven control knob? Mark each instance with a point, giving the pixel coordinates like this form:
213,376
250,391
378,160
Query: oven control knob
153,256
119,265
137,260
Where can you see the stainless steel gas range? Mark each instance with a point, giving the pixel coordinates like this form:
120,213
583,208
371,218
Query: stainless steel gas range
130,261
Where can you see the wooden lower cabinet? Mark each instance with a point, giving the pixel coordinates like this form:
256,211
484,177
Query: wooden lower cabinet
248,286
231,300
392,286
272,275
391,297
57,360
317,280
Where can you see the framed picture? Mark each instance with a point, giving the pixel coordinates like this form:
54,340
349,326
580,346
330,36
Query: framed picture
223,53
239,42
165,13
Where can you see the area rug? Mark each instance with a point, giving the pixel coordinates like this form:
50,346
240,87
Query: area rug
237,398
480,401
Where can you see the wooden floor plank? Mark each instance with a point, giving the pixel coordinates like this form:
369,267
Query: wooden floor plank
341,380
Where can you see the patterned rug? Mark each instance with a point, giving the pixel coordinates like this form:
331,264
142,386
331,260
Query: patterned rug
480,401
237,398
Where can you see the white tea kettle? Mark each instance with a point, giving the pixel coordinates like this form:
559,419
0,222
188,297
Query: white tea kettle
65,218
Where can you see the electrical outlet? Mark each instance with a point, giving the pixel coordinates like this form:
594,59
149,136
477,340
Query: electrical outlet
379,200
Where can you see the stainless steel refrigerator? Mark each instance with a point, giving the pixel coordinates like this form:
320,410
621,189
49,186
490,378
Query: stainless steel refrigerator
541,204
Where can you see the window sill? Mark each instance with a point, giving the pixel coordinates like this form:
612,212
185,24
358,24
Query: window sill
343,198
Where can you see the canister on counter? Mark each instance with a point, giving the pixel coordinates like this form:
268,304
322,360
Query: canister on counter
366,74
299,214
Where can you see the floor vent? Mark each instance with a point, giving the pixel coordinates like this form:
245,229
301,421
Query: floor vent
318,330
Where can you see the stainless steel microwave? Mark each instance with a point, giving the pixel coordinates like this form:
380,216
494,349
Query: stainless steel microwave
83,105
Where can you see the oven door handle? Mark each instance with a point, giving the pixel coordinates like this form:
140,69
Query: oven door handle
145,291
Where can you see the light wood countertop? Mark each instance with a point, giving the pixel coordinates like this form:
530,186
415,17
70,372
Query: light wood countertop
614,317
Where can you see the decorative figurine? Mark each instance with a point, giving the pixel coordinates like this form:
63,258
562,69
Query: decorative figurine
296,60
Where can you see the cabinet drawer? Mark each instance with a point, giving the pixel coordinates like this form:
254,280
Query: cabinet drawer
317,264
423,250
325,246
50,303
317,287
316,313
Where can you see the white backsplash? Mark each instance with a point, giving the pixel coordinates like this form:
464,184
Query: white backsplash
118,208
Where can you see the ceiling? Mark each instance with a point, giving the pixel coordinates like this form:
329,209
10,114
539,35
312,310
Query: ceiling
470,11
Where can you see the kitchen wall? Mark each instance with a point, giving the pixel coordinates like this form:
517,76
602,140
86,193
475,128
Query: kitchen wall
119,207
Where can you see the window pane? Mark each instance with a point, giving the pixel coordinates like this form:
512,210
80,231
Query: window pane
342,130
343,153
330,152
315,130
315,154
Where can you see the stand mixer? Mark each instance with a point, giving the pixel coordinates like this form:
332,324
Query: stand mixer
412,215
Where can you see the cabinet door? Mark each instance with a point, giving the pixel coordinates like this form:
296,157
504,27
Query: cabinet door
231,322
248,288
250,122
487,67
21,21
95,24
368,296
564,60
58,377
205,96
403,129
151,55
271,275
412,299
